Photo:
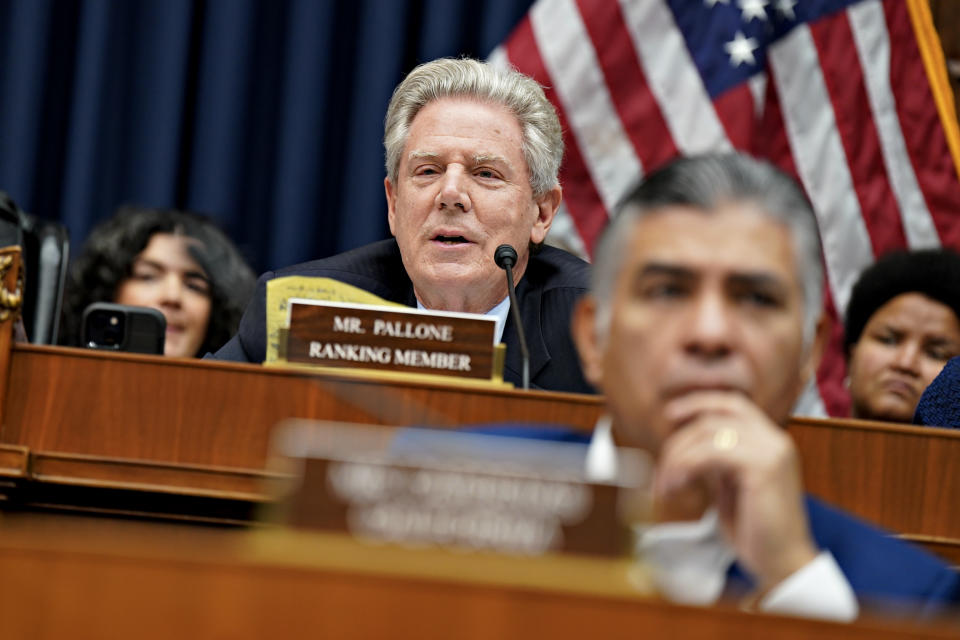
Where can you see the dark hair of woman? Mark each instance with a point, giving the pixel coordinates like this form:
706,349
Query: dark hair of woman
109,253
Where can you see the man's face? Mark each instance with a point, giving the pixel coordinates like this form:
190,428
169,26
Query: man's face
702,302
463,189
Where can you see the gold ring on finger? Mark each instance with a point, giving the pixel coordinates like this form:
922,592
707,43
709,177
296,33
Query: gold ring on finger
725,439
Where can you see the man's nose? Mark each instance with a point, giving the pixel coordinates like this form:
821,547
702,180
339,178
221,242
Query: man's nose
710,327
453,191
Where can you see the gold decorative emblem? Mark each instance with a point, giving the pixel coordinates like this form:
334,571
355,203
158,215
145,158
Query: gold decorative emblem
10,301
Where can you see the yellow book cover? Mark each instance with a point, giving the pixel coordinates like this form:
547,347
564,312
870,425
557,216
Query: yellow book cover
280,290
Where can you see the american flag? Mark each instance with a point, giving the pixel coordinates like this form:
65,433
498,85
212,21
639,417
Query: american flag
851,97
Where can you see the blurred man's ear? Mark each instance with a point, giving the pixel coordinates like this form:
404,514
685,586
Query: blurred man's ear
583,327
815,352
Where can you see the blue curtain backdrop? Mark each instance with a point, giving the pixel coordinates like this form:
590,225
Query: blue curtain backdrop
266,115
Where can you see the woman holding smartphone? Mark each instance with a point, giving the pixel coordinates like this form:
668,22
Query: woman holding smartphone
176,262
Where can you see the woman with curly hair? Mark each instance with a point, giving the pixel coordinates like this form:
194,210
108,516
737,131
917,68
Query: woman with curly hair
902,326
177,262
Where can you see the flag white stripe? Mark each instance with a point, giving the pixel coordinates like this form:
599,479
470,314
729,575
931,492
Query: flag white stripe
571,61
498,58
810,402
868,22
758,89
820,159
677,87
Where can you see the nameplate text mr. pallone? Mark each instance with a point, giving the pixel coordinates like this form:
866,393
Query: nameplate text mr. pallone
334,334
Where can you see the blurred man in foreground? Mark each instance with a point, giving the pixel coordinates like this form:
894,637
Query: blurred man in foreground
703,326
472,156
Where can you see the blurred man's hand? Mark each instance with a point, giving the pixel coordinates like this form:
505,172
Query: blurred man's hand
725,445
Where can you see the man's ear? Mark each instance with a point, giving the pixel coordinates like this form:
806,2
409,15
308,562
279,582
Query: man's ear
547,206
814,355
391,204
583,327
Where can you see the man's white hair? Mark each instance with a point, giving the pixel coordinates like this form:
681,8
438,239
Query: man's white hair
542,144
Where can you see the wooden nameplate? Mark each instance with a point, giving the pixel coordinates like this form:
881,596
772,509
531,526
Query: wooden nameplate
391,339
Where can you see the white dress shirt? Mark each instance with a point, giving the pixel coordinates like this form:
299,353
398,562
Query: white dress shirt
689,560
499,314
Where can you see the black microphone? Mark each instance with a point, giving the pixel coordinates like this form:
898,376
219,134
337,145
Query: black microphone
506,257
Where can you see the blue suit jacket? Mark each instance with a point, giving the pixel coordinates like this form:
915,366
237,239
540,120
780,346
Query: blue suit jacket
546,294
939,405
884,572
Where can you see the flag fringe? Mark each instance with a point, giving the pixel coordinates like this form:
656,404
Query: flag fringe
933,61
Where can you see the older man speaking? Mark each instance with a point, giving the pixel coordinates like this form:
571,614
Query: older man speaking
472,157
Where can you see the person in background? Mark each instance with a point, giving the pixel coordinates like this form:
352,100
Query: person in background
902,326
703,325
177,262
939,405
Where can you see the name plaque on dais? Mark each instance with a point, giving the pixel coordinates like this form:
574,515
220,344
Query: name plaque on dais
450,489
344,335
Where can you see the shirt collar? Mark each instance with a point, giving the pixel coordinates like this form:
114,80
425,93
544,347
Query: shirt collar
499,313
601,461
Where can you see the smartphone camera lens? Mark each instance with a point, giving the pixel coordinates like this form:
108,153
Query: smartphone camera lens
106,329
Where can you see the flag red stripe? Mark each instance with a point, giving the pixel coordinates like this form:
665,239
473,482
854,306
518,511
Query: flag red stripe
581,197
735,109
771,141
843,75
920,122
627,83
832,374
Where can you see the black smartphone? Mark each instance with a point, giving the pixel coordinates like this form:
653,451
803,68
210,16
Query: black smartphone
123,328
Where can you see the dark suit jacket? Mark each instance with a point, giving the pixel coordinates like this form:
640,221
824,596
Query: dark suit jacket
939,405
554,279
884,572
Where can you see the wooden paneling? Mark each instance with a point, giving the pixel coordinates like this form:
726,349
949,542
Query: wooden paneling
13,461
105,579
211,413
901,477
193,428
946,18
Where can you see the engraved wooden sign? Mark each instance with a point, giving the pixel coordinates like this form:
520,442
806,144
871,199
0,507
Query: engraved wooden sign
466,507
442,488
335,334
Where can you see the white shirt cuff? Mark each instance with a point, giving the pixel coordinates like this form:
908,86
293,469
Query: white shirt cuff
817,590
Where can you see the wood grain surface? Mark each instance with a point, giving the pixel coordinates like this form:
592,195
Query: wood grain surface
87,578
188,419
221,414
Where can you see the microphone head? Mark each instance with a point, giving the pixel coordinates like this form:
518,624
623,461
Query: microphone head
505,256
